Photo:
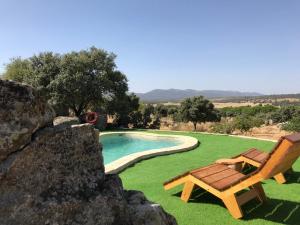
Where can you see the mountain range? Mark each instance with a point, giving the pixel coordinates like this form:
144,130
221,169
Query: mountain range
174,95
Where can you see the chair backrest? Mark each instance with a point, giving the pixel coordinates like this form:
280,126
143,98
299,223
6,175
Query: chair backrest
283,156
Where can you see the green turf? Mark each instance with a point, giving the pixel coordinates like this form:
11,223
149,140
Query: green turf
283,206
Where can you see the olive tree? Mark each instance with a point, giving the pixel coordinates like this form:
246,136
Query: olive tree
198,110
76,80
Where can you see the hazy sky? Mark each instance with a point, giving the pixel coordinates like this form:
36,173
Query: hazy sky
226,44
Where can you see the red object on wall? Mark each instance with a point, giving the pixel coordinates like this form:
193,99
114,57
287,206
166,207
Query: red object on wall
91,117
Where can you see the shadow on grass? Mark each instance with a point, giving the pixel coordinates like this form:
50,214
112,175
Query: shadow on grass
274,210
292,177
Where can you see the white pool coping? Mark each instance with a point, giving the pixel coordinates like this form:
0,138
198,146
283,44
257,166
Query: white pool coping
188,143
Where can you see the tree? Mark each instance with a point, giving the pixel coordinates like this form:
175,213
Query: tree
18,70
161,110
76,80
87,77
136,119
147,110
285,114
244,123
123,107
198,110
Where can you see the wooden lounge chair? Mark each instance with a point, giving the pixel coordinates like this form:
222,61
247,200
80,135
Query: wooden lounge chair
228,184
253,157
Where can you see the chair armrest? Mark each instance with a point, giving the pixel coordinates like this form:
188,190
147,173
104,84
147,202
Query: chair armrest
229,161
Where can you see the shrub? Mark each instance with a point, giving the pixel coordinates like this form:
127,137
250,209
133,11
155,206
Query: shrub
247,110
224,127
161,110
285,114
292,125
245,123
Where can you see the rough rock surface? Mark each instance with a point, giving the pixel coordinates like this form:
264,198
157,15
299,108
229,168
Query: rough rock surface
22,112
65,120
58,179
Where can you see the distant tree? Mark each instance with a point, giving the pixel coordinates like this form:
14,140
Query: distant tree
245,123
155,123
136,119
161,110
285,114
198,110
123,107
172,110
147,110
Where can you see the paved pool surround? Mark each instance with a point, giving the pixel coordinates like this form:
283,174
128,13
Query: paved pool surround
187,143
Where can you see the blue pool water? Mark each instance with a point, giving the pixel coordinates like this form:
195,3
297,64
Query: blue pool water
116,146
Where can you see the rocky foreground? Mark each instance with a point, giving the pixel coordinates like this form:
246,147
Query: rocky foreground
54,174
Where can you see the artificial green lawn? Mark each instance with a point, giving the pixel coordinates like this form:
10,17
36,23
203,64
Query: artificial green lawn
283,204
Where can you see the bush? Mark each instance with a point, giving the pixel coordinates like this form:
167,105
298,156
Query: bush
172,110
223,127
246,123
161,110
247,110
285,114
292,125
155,123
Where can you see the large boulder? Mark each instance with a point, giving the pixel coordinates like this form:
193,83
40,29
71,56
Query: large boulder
57,177
66,120
22,112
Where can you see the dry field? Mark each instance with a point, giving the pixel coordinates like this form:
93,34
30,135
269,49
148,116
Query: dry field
268,132
220,105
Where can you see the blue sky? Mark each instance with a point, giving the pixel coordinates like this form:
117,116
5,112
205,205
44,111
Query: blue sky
225,44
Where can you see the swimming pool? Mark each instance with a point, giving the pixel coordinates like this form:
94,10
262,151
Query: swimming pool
121,149
116,146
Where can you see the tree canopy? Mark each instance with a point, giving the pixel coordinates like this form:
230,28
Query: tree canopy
198,110
75,80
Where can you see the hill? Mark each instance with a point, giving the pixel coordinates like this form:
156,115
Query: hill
173,95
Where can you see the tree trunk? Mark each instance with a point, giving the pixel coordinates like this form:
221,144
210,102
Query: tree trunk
195,126
77,112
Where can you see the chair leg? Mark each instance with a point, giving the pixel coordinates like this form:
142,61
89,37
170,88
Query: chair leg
187,191
280,178
233,206
260,192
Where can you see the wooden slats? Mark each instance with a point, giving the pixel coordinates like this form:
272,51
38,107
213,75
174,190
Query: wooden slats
214,168
256,155
261,157
219,177
252,154
228,181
